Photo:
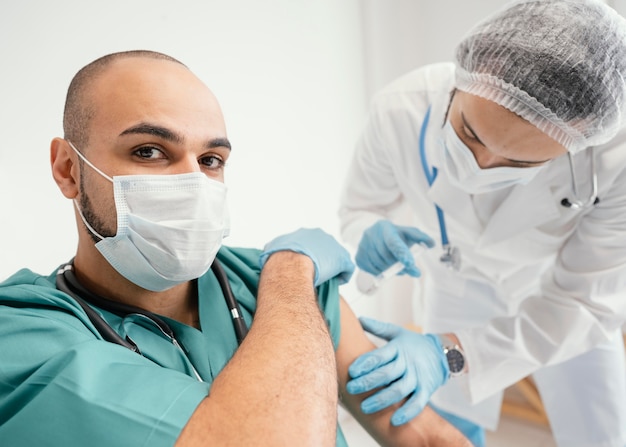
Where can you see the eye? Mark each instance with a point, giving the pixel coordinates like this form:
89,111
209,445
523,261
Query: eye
521,164
468,133
149,153
212,162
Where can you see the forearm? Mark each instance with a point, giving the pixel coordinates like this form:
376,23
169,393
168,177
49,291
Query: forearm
281,385
428,429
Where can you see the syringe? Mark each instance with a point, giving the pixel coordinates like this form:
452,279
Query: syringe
367,283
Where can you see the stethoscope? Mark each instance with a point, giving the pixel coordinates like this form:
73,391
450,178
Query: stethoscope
451,256
67,282
593,198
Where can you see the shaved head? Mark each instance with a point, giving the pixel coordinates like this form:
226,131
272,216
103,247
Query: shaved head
79,108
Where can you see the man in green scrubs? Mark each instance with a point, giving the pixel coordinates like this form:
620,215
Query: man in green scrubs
143,159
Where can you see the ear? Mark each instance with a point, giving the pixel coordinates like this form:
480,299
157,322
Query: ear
65,169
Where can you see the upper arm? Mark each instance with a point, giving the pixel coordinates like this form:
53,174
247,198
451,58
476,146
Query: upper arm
427,429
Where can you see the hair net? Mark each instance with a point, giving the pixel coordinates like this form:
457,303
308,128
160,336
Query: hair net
559,64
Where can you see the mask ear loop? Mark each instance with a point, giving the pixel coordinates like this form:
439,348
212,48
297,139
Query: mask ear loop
89,227
82,157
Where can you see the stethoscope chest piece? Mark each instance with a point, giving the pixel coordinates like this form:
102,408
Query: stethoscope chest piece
451,257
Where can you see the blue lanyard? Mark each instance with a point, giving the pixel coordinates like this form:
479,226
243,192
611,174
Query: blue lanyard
431,175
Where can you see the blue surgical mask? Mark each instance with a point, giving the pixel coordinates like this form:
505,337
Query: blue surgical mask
169,227
464,172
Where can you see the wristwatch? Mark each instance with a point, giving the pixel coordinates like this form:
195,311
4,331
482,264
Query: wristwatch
455,356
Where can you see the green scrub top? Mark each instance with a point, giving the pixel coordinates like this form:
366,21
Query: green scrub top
61,384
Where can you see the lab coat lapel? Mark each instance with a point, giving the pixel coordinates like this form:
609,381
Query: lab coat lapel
456,204
527,206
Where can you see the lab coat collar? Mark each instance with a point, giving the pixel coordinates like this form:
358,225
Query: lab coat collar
527,206
510,218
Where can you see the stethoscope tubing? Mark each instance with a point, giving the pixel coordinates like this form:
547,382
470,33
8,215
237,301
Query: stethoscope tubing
67,282
451,256
593,198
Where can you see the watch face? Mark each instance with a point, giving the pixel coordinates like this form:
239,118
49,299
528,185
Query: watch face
456,361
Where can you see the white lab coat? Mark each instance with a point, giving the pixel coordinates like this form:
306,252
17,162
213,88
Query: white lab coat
540,283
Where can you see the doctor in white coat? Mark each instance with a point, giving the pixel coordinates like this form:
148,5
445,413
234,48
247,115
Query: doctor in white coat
513,161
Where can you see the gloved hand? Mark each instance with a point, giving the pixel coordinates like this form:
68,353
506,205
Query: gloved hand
410,364
329,257
384,243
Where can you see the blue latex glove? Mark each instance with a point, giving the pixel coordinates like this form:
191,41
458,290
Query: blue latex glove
384,243
329,257
411,364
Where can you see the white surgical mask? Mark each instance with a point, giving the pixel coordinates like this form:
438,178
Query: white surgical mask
465,173
169,227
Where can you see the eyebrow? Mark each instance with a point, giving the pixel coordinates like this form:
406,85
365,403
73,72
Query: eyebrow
168,135
466,124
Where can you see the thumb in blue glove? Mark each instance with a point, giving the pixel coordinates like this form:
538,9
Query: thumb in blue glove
329,257
410,364
384,243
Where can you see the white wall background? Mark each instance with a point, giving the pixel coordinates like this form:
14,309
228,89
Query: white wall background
294,78
288,74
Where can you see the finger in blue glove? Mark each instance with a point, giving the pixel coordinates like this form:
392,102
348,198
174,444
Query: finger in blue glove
384,243
410,365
